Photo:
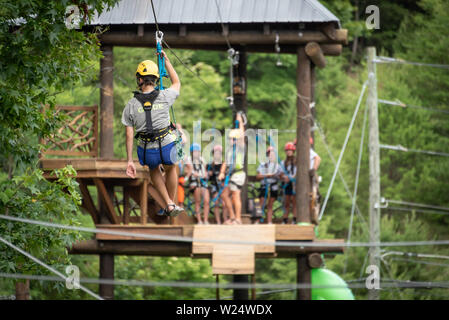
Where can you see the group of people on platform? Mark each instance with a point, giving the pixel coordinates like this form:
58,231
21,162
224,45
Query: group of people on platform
218,183
207,183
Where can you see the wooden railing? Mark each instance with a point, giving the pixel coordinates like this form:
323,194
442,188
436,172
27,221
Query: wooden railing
79,134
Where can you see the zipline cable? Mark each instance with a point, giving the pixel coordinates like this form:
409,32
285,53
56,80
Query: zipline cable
60,277
404,149
298,244
356,183
403,105
381,59
343,150
345,184
353,284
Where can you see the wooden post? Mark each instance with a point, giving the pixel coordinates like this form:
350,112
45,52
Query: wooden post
303,82
303,277
302,135
23,290
106,151
374,167
107,103
107,272
241,294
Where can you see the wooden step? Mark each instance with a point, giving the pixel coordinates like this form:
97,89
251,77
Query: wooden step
233,259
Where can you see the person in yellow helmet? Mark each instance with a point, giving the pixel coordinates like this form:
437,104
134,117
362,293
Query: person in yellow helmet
148,113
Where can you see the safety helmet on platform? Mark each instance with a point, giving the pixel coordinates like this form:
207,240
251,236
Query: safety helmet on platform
147,68
289,146
217,147
195,147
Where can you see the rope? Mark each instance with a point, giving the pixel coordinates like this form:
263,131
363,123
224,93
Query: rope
403,105
222,26
353,284
155,19
304,244
345,185
61,277
381,59
404,149
356,183
343,150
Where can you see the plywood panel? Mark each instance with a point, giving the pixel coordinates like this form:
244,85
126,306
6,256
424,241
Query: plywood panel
260,233
233,259
294,232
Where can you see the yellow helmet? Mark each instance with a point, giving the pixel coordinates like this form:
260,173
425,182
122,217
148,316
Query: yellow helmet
147,68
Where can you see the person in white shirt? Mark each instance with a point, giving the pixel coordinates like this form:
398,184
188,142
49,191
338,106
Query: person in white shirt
268,174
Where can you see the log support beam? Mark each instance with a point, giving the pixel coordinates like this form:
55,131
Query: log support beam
314,52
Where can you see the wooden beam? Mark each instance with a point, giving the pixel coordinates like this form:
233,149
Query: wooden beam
313,50
236,38
104,195
88,202
140,30
184,249
314,260
303,83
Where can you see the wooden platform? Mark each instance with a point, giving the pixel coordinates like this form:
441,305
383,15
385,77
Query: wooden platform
119,245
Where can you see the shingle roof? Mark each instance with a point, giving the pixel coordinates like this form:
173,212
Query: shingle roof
205,11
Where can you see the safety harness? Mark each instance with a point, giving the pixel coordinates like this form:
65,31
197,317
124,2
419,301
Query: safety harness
150,135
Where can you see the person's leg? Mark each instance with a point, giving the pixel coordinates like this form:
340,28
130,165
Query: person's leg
216,208
206,207
154,193
228,203
197,198
270,209
224,210
159,184
171,180
287,204
237,205
295,217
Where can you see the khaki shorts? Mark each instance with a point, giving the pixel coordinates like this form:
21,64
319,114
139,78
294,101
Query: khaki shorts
237,180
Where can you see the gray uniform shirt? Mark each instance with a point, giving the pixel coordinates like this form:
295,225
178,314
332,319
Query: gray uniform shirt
134,116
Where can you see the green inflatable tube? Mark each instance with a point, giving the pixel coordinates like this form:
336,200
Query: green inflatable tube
325,277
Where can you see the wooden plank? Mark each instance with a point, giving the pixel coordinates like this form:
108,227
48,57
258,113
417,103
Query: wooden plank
294,232
184,249
150,230
233,259
261,233
107,201
88,202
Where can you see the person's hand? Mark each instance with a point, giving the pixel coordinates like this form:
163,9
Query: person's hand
164,55
131,170
221,176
